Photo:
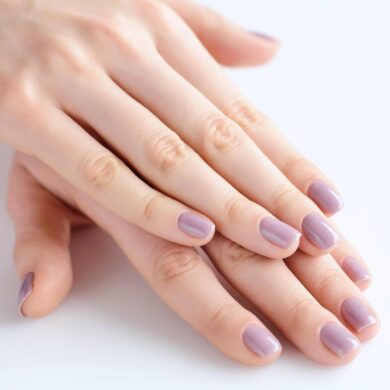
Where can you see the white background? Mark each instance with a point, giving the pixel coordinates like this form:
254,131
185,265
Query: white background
329,91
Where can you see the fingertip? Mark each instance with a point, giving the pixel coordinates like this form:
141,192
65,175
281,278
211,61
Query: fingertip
325,197
265,37
196,226
356,271
247,50
25,291
262,344
43,289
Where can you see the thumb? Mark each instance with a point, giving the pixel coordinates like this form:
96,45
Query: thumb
42,233
228,43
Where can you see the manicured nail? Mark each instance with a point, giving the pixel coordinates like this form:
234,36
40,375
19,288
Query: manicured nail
260,341
264,36
326,198
195,225
338,339
278,232
25,290
357,314
355,270
319,232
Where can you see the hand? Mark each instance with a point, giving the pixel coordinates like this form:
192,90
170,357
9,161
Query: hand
134,75
311,300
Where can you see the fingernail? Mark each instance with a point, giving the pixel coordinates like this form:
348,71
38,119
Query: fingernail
338,339
264,36
319,232
278,232
195,225
260,341
357,314
25,290
327,199
355,270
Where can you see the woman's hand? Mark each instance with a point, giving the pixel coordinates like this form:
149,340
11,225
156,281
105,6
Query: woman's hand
310,299
133,74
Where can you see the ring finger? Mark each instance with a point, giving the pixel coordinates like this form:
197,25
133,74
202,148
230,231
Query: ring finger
170,165
276,176
274,289
179,276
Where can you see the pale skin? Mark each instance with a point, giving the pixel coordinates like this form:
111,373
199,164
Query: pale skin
82,105
300,295
105,92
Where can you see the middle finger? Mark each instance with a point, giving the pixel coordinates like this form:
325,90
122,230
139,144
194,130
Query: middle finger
274,289
170,165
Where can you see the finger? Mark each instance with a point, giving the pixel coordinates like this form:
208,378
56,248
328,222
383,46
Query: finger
231,152
42,234
182,280
228,43
193,62
171,166
94,169
273,288
352,264
326,281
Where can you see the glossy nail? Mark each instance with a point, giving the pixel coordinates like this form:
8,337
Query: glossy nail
357,314
260,341
279,233
338,339
356,271
264,36
319,232
327,199
25,290
195,225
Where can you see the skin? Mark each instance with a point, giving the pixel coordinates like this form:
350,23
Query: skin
299,295
87,89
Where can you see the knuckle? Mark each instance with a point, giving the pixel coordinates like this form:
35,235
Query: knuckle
158,12
221,134
113,27
234,254
59,53
101,171
219,317
152,205
295,163
283,196
167,152
299,309
326,281
175,264
234,206
32,239
245,114
20,98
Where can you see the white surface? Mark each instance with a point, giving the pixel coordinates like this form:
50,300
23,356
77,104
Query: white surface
329,91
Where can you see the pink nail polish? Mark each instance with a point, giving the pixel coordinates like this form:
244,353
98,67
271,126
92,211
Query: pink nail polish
25,291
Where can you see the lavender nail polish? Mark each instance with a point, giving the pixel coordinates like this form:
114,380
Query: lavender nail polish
319,232
355,270
25,290
260,341
195,225
279,233
338,339
327,199
357,314
264,36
